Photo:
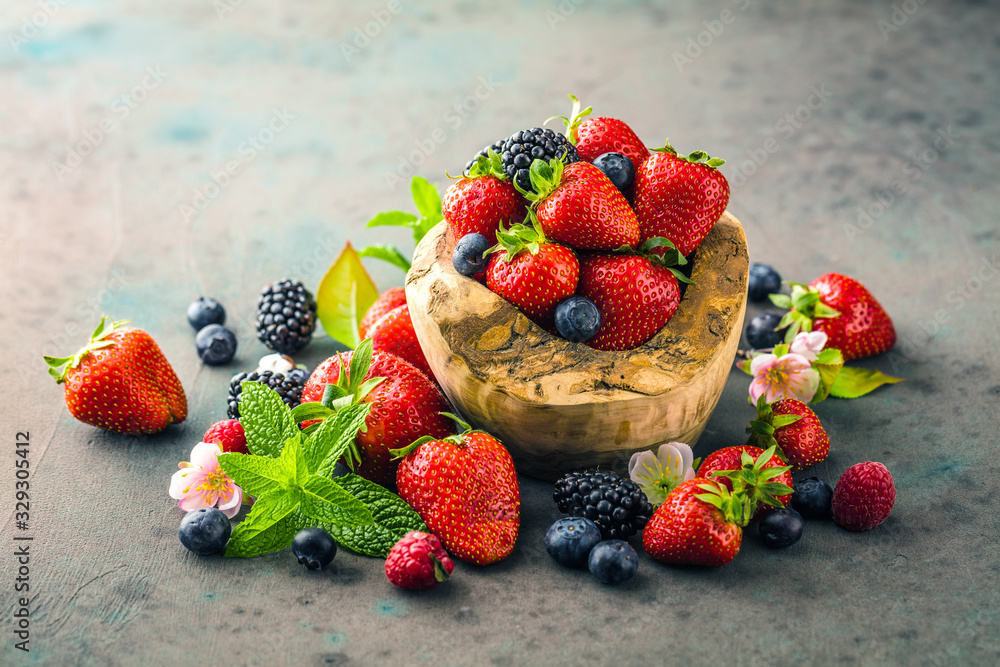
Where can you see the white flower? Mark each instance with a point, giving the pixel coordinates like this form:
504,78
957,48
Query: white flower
808,344
658,475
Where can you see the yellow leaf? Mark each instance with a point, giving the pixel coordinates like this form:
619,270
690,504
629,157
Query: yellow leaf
344,295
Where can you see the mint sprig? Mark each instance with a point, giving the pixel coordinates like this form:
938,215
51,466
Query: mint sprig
288,472
428,203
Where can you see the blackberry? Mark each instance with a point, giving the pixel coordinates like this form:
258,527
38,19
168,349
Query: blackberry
618,506
289,388
520,149
286,316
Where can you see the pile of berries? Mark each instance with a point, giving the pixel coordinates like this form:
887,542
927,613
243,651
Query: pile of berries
583,232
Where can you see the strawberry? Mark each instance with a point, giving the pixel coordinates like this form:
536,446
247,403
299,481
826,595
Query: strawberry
579,206
864,496
596,136
483,201
793,428
394,333
229,435
465,489
635,296
532,274
701,521
121,382
405,404
854,322
391,299
679,197
732,458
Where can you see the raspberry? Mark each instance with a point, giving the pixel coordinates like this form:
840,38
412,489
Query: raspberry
229,434
864,496
418,561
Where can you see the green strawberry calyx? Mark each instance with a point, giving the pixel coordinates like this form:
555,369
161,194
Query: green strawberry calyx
455,439
59,366
695,157
518,238
662,251
545,178
753,484
487,165
733,505
806,307
576,117
762,429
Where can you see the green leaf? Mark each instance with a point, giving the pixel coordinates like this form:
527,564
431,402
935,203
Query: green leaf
309,411
387,253
256,475
344,295
830,355
361,361
270,526
335,436
293,460
266,419
324,500
392,219
832,362
426,197
784,420
392,517
853,382
781,300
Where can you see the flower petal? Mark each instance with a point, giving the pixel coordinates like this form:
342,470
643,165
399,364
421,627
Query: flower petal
193,501
233,505
639,464
205,455
757,387
181,480
761,363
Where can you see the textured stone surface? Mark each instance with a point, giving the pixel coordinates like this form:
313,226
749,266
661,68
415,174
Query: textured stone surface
889,176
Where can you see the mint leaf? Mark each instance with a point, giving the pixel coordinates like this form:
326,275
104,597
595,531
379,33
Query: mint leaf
324,500
293,460
256,475
853,382
265,529
426,198
387,253
265,419
392,219
334,438
309,411
392,517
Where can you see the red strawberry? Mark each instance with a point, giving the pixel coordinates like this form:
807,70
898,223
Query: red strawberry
483,201
229,435
465,488
418,561
864,496
794,428
120,381
596,136
854,322
635,296
391,299
532,274
404,406
679,197
394,333
700,523
731,458
579,206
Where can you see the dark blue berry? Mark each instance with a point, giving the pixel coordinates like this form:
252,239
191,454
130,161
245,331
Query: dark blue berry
780,528
618,168
577,319
314,548
763,281
468,257
216,345
761,333
205,311
298,374
813,498
205,531
569,540
613,561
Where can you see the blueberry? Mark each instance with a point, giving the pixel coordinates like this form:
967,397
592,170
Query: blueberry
763,281
205,531
298,374
468,257
569,540
613,561
618,168
205,311
314,548
216,345
761,333
813,498
577,319
780,528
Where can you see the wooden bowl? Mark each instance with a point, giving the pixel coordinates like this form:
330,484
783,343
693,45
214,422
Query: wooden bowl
560,406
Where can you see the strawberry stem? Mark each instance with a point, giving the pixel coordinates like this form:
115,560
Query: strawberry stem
59,366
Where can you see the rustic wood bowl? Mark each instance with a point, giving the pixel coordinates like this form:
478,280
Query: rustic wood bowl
561,406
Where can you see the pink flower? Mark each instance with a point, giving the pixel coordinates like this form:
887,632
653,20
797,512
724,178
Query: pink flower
809,344
202,483
788,376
